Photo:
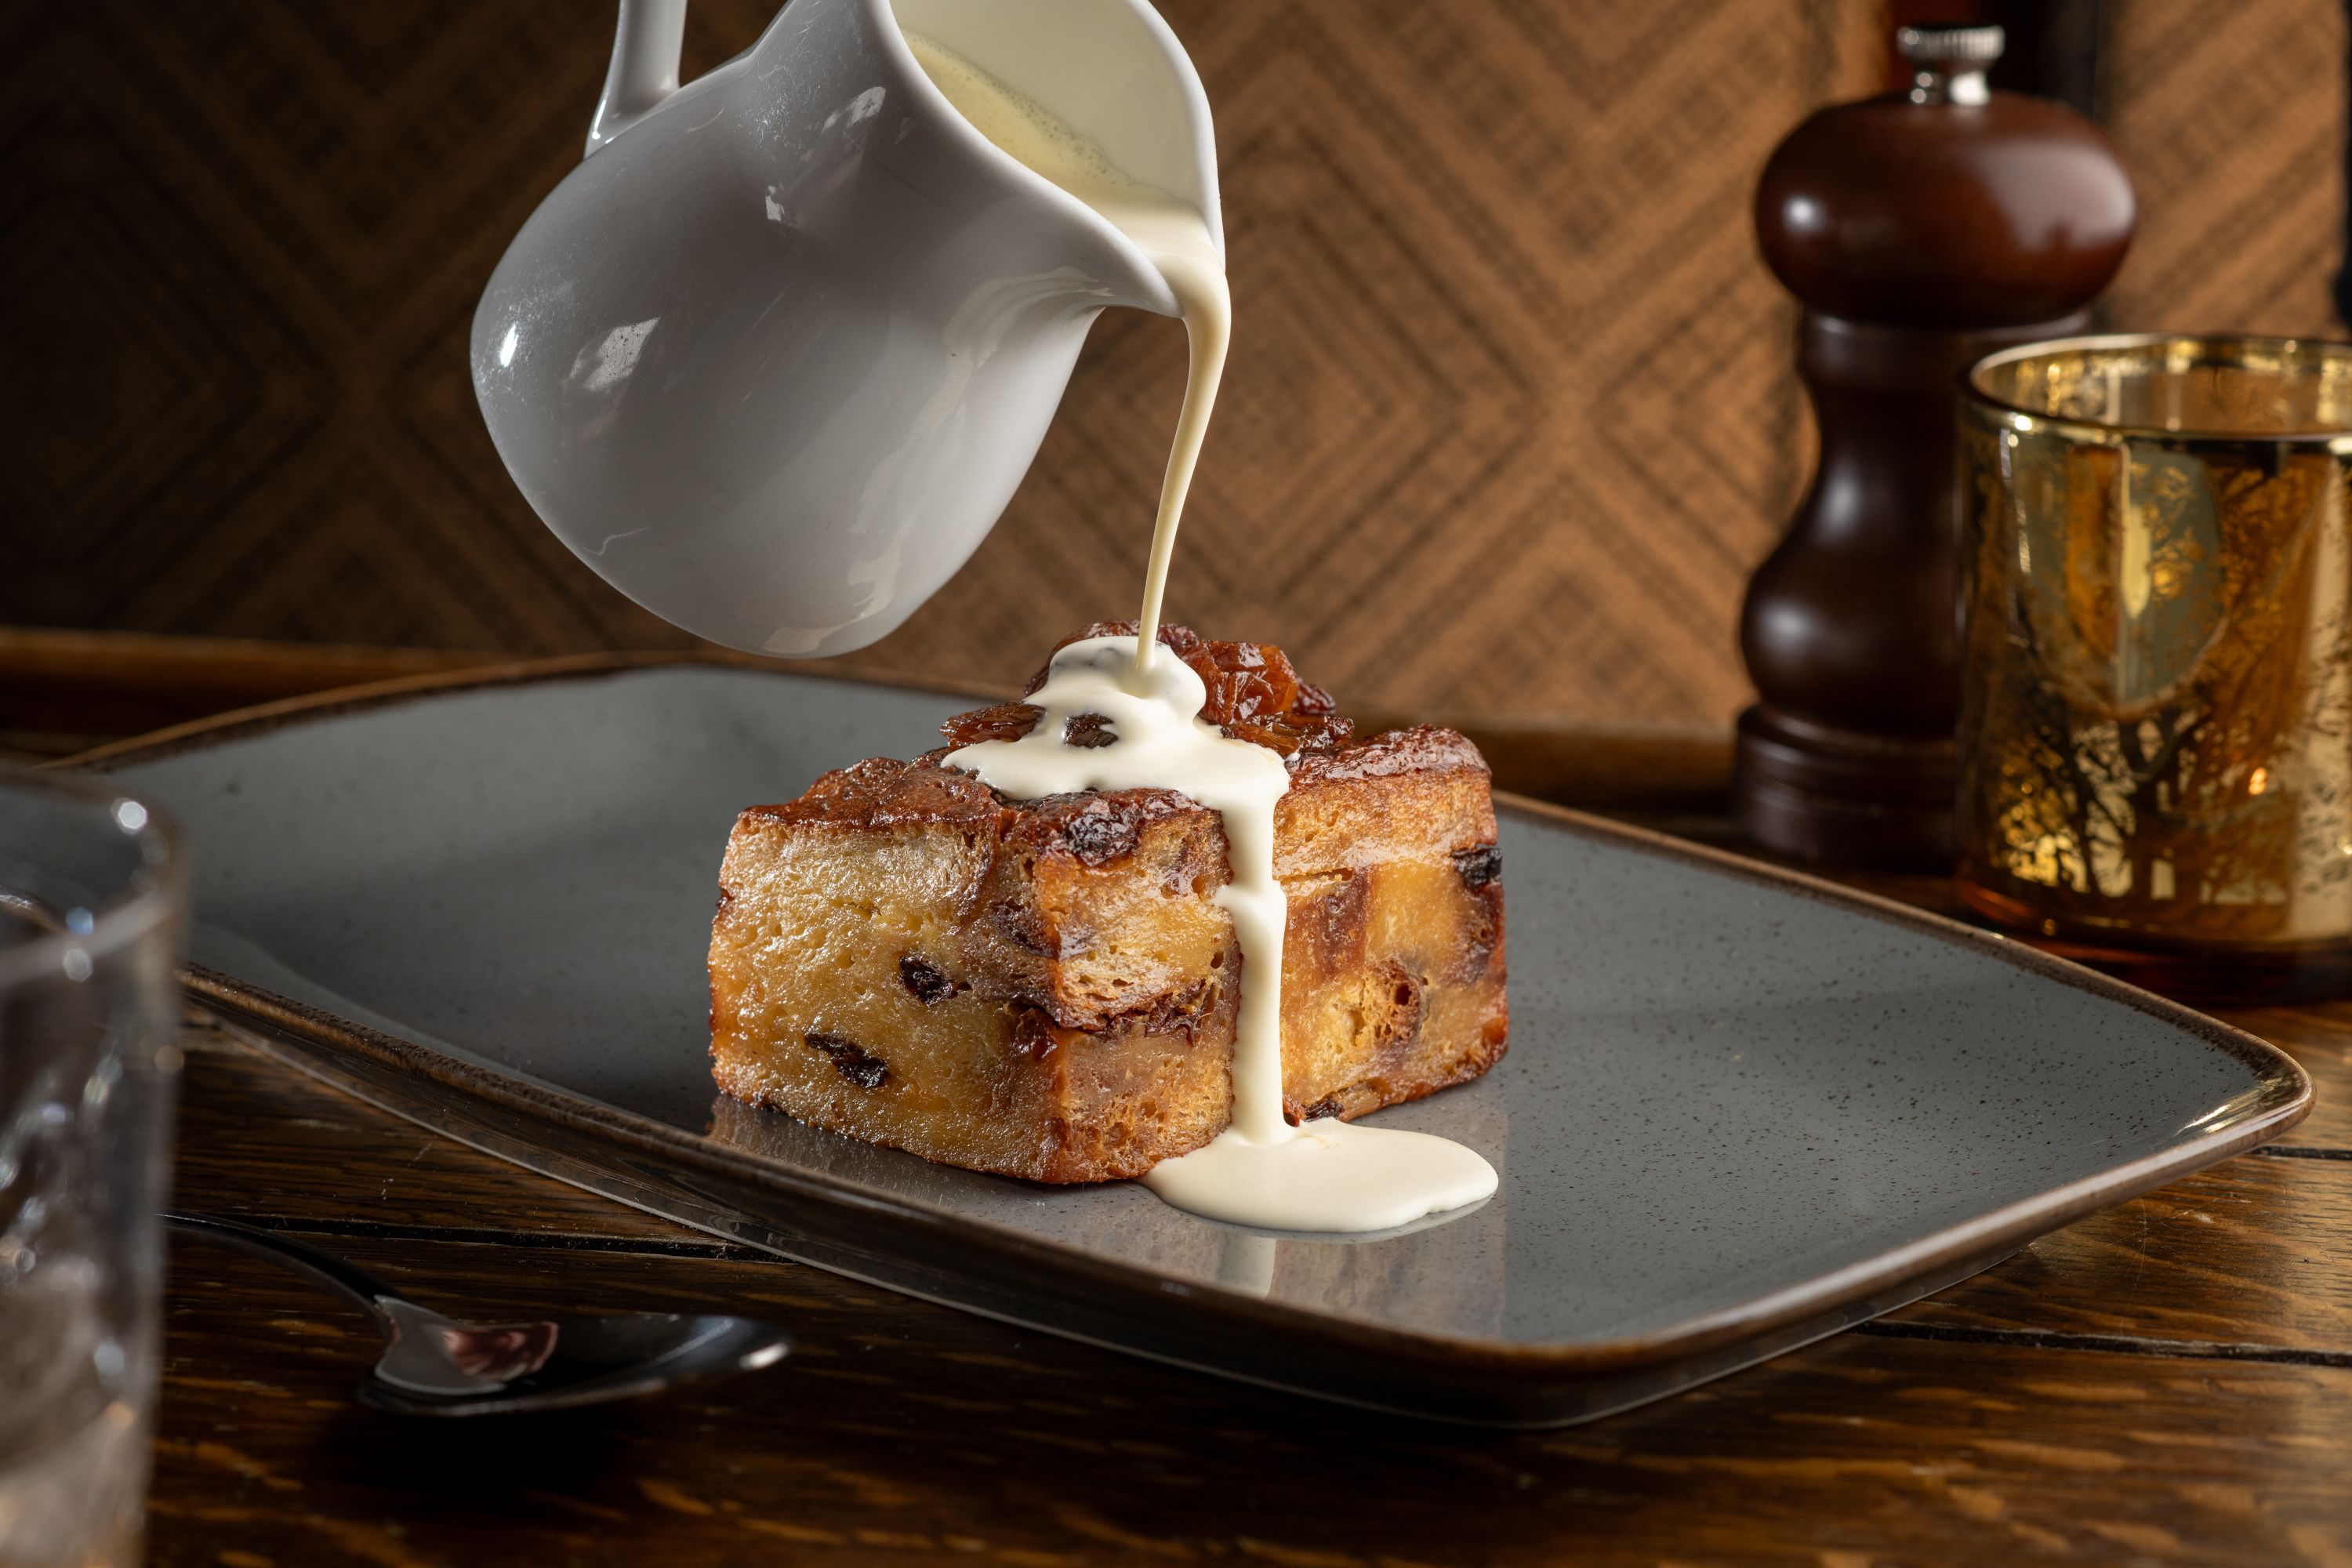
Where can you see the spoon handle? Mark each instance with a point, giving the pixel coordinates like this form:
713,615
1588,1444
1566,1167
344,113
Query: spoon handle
323,1267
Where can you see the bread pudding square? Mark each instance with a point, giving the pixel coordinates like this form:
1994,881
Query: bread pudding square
1048,988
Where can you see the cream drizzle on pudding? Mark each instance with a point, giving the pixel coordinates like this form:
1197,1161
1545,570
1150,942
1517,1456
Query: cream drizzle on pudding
1327,1175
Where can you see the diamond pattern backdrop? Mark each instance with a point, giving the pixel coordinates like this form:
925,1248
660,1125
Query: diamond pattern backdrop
2235,135
1509,414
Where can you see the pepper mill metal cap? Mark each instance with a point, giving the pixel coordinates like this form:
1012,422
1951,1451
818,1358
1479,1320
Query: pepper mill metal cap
1949,60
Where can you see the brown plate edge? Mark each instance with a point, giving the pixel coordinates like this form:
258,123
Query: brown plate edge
1785,1317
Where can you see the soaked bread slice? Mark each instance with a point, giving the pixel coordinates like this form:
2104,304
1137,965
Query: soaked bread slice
1047,989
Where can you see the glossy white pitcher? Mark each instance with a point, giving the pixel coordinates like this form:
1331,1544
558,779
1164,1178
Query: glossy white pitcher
772,359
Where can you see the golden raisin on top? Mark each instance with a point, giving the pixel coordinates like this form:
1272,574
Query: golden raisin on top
1254,694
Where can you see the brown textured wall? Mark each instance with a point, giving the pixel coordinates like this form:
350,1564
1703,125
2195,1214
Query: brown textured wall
2235,135
1509,414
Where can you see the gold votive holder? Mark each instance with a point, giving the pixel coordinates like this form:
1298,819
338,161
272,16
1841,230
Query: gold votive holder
2156,720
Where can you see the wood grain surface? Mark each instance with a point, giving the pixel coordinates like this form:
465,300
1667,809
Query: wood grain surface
2170,1380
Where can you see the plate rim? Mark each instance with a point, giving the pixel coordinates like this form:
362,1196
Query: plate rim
2284,1091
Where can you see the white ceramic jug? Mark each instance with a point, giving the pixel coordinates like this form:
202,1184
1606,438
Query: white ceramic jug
772,359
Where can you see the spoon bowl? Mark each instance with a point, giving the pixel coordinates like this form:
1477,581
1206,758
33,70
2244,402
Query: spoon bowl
433,1364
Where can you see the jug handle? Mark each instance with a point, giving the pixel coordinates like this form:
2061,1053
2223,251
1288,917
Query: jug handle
646,44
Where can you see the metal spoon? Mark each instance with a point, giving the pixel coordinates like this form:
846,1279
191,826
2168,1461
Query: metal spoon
434,1366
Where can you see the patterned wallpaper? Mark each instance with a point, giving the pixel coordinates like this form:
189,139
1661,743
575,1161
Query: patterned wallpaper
2235,137
1509,419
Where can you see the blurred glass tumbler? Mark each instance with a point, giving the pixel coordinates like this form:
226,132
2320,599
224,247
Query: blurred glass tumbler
93,892
2155,724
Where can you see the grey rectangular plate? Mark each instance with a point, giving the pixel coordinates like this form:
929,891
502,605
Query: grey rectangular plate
1741,1109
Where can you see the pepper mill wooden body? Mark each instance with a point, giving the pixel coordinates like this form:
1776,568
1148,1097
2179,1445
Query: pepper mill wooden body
1920,230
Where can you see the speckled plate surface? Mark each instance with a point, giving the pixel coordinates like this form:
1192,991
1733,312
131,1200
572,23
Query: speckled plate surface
1740,1110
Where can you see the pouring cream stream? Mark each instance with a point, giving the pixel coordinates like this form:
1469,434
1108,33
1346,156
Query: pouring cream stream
1166,230
1327,1175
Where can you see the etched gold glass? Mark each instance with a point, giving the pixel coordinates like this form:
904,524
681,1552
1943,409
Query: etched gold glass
2156,727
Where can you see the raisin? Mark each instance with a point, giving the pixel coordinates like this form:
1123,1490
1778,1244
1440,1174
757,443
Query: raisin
1022,926
1252,691
1182,641
860,1066
926,983
1479,864
1099,838
1275,737
1089,731
1032,1033
1255,680
1005,722
1291,736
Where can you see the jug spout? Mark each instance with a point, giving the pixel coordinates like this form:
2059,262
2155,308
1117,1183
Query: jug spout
1111,71
772,359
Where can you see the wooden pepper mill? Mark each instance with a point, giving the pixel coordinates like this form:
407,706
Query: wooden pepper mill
1921,231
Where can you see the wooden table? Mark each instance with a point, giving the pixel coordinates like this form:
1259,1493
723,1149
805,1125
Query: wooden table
2170,1380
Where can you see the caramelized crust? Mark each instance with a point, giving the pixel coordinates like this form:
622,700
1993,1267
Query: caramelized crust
1254,695
880,792
1048,988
